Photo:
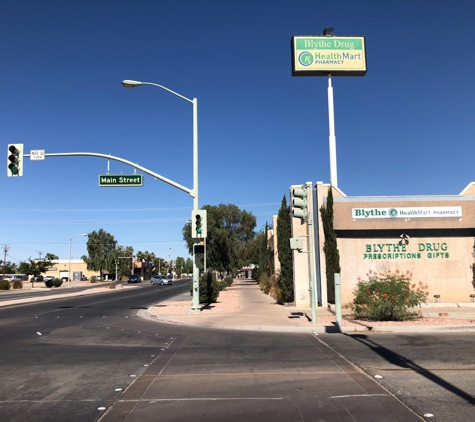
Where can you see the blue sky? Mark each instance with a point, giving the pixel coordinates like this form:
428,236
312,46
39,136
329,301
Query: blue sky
406,128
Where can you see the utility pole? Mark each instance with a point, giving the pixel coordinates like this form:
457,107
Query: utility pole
5,250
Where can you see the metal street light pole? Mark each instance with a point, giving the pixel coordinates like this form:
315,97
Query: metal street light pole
69,271
194,192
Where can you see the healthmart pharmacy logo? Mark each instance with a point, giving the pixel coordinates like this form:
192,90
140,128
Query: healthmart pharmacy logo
393,212
305,58
407,212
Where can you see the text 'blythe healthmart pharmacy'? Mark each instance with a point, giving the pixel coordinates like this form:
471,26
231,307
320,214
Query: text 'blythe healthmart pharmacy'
430,237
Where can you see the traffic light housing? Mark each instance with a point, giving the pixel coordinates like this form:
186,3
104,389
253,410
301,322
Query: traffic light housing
198,224
15,160
299,203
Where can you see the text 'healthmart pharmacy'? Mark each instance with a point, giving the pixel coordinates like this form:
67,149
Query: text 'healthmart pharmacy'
431,237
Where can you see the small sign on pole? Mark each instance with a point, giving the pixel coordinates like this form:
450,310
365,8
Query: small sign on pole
37,154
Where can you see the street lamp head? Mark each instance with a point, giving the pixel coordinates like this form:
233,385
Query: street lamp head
131,84
84,234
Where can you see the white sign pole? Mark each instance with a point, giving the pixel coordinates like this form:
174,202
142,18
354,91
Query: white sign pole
332,137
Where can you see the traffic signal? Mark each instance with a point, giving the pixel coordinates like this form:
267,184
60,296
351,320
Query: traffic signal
15,160
299,203
198,224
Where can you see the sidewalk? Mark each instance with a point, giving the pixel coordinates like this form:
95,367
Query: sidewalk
243,306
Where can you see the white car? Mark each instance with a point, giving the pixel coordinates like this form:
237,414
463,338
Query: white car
48,278
161,279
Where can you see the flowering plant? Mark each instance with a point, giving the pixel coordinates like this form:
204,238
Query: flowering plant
388,296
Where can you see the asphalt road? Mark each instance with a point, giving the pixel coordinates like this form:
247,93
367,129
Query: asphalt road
63,359
432,373
93,358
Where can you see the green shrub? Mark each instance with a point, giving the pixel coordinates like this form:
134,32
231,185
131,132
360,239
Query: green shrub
209,288
222,285
93,279
49,283
264,283
388,297
228,280
4,285
57,282
17,284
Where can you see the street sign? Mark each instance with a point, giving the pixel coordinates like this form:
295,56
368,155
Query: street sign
120,180
37,154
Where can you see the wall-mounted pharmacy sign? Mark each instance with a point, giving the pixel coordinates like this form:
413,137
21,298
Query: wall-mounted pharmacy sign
406,212
323,55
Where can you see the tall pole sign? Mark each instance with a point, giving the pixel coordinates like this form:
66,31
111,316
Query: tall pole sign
327,55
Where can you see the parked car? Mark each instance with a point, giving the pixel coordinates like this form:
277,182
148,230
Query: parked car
134,278
65,278
10,278
48,277
161,279
37,277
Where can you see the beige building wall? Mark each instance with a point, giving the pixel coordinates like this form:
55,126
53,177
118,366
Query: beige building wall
62,265
445,269
439,252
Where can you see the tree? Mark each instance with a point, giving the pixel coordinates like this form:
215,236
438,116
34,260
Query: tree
265,260
8,267
286,276
124,258
330,247
35,266
188,266
180,265
160,266
229,231
146,256
102,252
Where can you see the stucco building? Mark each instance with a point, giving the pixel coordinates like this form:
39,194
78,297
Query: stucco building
431,237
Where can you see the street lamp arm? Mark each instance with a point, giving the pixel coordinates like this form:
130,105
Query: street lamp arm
132,84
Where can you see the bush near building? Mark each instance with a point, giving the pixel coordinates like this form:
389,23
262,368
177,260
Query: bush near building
388,296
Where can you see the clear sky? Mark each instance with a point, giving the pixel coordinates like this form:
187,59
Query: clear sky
406,128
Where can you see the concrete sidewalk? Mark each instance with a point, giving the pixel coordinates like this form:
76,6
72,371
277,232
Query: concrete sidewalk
258,311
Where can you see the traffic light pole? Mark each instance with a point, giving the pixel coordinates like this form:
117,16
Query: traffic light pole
195,307
313,284
302,207
122,160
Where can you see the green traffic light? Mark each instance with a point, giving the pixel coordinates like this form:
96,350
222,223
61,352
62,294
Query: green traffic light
13,168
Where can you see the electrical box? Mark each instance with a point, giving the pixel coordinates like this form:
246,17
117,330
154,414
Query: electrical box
296,243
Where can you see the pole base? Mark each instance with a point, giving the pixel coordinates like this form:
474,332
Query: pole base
194,310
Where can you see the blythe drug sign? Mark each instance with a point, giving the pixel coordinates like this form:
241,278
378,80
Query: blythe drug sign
322,55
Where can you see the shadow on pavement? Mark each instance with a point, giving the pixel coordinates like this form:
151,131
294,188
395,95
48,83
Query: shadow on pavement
398,360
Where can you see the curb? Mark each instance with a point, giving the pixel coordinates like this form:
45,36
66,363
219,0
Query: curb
315,329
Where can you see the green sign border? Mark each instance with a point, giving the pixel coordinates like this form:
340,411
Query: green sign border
121,185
